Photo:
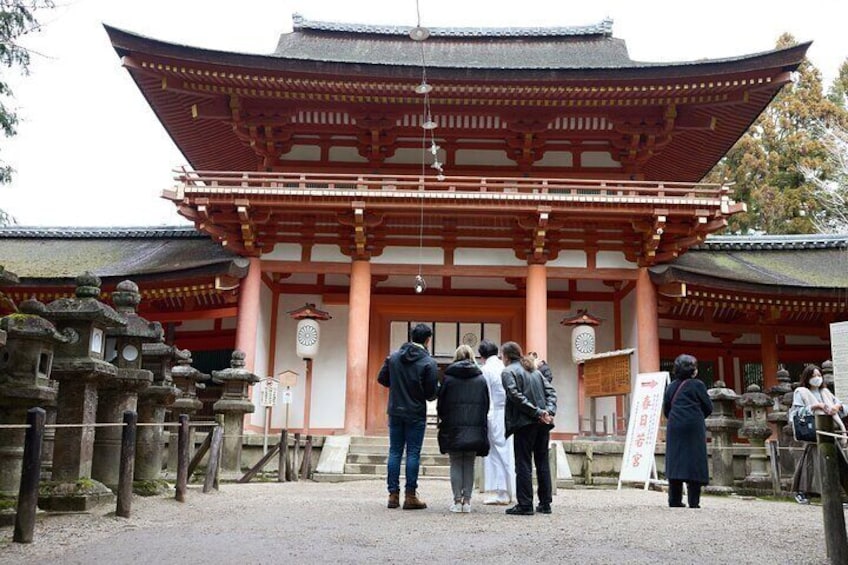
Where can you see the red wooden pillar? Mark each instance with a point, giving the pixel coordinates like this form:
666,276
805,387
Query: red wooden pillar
647,323
768,351
357,347
537,310
248,312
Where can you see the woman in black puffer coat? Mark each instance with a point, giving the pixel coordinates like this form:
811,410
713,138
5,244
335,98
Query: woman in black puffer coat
463,406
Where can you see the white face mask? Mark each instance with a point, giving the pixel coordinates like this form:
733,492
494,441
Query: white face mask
816,382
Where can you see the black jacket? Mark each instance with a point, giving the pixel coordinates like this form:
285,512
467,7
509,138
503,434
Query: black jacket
686,433
528,394
411,376
463,408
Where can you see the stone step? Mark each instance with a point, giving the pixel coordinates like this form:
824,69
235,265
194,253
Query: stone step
339,478
384,449
380,470
356,441
382,457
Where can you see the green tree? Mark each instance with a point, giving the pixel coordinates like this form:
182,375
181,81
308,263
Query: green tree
838,92
767,164
17,19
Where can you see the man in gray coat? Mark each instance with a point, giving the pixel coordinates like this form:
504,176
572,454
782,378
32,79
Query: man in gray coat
530,411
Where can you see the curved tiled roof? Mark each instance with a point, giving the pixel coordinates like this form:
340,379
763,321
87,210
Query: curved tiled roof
783,264
45,255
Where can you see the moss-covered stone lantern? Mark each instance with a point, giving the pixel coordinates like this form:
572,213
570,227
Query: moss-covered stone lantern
187,378
723,425
25,383
124,346
755,427
81,369
233,404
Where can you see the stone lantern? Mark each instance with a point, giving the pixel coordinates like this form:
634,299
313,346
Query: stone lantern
779,416
755,427
827,374
233,404
153,402
25,383
81,369
187,378
124,346
723,425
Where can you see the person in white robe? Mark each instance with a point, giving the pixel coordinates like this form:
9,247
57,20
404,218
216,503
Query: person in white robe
499,465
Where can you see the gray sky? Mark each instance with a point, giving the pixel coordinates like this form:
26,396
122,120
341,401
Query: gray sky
89,150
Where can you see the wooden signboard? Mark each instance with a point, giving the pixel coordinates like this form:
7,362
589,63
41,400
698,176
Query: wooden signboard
607,374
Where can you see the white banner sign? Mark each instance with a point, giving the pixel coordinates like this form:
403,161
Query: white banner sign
839,356
642,428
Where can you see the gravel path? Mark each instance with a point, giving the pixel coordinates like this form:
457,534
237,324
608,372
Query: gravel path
309,522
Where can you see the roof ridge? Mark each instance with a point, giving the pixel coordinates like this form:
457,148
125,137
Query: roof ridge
98,232
604,27
774,242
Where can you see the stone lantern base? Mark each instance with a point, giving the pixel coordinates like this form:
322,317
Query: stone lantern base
77,496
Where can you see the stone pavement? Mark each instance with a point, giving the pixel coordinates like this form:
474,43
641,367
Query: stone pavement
308,522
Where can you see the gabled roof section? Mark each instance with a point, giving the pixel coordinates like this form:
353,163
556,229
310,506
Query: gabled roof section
56,255
809,264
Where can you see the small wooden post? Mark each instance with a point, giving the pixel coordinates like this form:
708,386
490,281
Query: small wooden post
30,474
306,471
295,452
127,465
182,458
283,466
552,464
214,458
774,458
198,455
834,517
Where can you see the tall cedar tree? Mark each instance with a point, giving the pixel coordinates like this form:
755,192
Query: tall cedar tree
17,19
767,163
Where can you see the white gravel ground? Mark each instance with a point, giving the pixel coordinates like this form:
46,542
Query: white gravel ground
309,522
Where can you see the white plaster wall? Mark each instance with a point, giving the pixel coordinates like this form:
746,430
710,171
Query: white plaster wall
572,258
630,339
410,256
196,326
480,283
260,363
749,339
494,257
612,260
564,368
330,253
283,252
328,369
229,323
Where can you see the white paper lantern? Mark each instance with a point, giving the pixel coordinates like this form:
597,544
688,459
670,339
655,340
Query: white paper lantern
582,342
308,336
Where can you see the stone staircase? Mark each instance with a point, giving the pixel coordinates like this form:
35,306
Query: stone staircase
367,456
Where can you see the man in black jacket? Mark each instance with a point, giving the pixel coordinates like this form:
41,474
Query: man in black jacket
411,376
530,411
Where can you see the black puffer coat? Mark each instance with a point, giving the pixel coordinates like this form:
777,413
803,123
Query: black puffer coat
686,433
463,406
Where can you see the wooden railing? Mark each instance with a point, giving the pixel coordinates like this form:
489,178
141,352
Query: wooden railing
262,182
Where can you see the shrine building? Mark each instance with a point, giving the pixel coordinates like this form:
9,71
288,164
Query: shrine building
516,177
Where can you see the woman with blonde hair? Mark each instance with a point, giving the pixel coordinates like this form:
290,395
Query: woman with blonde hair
462,407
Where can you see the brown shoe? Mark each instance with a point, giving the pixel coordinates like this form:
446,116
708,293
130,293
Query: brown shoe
394,500
412,502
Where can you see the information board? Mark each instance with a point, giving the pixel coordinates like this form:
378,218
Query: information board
268,392
839,356
642,429
607,374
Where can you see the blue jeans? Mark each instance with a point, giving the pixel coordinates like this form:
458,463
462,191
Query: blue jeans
409,433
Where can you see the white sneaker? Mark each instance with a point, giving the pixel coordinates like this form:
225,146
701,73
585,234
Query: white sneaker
501,498
466,508
457,507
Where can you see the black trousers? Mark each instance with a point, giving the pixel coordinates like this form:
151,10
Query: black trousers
675,493
531,444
